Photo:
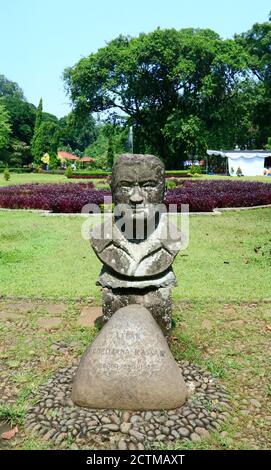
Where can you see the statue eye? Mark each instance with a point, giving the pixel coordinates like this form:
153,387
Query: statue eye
125,185
148,184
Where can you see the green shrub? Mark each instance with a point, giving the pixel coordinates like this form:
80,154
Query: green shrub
17,169
170,184
7,174
194,175
102,184
69,172
107,207
195,169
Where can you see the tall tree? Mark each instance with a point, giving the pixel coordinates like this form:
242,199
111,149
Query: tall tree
37,139
5,127
46,141
9,88
76,132
38,120
110,153
152,78
257,43
22,118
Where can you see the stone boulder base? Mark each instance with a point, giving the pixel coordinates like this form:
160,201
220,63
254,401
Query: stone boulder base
129,366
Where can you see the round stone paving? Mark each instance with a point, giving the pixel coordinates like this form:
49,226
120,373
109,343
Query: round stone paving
57,419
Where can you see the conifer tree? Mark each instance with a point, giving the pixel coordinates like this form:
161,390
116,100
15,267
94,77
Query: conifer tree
38,122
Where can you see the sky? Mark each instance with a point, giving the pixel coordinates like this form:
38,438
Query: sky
40,38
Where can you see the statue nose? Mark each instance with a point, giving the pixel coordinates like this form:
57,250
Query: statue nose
136,196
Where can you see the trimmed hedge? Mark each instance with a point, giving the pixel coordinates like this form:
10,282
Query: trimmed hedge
17,170
102,174
92,172
77,176
84,174
177,174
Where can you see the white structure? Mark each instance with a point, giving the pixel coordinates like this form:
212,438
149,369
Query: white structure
251,162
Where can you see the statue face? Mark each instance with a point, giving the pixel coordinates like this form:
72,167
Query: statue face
140,186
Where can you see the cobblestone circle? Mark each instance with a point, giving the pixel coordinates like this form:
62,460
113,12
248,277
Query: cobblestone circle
55,418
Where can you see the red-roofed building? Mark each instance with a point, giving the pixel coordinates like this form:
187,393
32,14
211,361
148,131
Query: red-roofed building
87,160
67,156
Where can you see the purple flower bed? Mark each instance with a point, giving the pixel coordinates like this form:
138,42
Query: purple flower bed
201,195
205,195
66,197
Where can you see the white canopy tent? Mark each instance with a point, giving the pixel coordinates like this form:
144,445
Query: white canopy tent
251,162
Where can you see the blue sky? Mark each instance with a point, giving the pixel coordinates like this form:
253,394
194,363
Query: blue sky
39,38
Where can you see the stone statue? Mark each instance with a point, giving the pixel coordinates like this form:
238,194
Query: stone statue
129,364
138,245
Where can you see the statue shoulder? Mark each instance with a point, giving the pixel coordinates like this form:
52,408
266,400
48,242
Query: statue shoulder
101,235
171,236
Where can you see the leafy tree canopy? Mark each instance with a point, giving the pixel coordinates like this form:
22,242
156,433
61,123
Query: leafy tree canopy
22,117
257,43
4,126
9,88
157,76
77,133
49,117
46,140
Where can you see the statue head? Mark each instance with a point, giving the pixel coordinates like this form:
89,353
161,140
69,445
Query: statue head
138,181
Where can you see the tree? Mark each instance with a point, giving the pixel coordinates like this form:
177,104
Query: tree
49,117
38,119
46,141
76,132
22,118
189,134
37,142
157,78
268,145
98,149
5,127
257,43
110,153
111,140
20,154
9,88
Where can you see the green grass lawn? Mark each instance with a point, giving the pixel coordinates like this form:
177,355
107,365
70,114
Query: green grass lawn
260,179
26,178
46,256
221,311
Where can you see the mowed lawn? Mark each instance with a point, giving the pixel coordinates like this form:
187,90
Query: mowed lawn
228,257
27,178
222,314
